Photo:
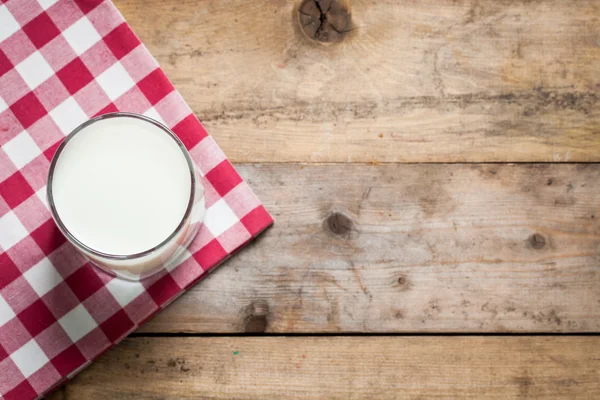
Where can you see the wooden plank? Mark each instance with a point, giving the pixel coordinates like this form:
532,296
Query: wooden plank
443,81
344,368
410,248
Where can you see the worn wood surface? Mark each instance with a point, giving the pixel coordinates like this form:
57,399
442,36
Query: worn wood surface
414,81
377,247
344,368
410,248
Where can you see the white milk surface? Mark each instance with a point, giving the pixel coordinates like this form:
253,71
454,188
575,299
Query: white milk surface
121,186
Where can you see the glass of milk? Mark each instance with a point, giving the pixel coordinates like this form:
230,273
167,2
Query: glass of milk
125,192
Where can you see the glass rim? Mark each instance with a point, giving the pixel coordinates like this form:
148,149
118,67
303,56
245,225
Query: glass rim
65,231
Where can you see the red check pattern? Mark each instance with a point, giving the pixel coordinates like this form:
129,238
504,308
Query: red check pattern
61,63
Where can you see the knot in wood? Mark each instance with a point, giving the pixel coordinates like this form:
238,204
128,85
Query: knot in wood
326,21
256,318
402,282
537,241
339,224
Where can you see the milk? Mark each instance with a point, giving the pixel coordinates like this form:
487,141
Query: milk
121,186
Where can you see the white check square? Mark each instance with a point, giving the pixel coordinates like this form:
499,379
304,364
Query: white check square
180,258
34,70
21,149
41,194
152,113
46,4
43,277
198,212
9,24
77,323
6,313
115,81
68,115
29,358
81,35
12,230
124,291
219,217
3,105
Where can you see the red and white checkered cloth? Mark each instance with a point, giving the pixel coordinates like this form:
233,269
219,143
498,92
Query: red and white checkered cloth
61,63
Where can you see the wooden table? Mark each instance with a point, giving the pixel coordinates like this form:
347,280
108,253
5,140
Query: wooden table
432,167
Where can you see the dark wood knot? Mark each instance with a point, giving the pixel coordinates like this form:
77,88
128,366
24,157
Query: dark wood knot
256,317
537,241
326,21
402,282
339,224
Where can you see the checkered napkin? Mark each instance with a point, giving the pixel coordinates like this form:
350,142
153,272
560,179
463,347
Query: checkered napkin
61,63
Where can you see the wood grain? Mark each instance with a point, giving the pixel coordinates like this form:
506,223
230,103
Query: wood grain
410,248
386,248
415,81
344,368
